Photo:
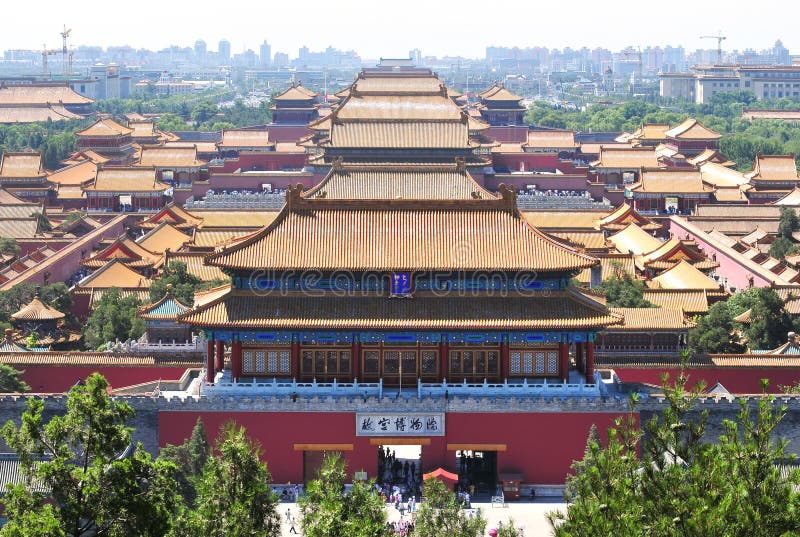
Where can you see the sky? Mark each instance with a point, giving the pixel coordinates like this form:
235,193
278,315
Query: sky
379,28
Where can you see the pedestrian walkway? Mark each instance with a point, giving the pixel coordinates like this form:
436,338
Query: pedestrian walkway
531,516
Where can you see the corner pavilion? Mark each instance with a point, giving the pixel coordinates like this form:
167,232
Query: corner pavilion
400,268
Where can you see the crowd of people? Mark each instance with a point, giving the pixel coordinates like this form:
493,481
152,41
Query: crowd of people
397,475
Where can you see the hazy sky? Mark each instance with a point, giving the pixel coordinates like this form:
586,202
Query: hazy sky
389,29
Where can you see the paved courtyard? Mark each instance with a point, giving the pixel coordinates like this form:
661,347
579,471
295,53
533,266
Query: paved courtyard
530,516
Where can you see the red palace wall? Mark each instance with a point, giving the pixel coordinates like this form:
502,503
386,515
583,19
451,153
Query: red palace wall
739,381
59,379
542,445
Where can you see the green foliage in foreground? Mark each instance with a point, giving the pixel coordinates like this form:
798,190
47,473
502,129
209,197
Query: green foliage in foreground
326,508
441,514
684,483
99,481
114,317
233,493
10,381
623,291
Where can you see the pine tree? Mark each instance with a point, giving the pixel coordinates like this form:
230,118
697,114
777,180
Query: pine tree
190,458
326,508
685,484
234,498
441,514
99,481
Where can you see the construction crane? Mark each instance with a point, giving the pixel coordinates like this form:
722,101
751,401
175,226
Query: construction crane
45,53
719,37
66,57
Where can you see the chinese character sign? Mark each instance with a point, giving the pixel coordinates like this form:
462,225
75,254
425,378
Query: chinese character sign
394,424
401,283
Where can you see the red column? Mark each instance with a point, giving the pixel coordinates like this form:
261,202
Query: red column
220,361
356,361
563,354
590,362
210,361
444,358
503,360
236,360
295,358
579,356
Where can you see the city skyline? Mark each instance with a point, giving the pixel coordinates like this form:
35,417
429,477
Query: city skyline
375,29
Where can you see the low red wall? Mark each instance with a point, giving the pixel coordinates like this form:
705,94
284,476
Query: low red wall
736,381
59,379
542,446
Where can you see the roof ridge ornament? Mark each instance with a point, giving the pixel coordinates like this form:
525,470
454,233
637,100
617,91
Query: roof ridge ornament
509,197
294,196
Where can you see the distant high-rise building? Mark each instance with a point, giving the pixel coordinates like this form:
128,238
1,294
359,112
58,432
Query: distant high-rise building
780,54
265,54
245,59
200,48
674,60
416,57
225,51
200,51
281,59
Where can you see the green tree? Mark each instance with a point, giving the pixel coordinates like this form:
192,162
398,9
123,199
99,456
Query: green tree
100,482
113,318
183,283
441,514
203,111
715,332
233,493
601,489
56,295
781,247
509,529
44,223
171,123
326,508
623,291
788,223
684,484
9,246
10,381
190,458
769,321
784,243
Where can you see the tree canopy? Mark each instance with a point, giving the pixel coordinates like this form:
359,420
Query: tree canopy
327,509
623,291
769,321
101,482
56,295
441,514
114,317
684,483
784,242
741,140
233,492
189,458
715,332
10,381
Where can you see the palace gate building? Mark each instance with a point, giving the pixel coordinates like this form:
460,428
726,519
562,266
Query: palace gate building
398,302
